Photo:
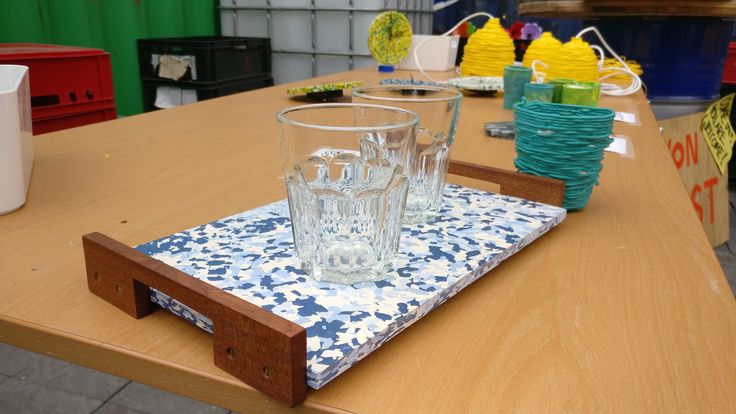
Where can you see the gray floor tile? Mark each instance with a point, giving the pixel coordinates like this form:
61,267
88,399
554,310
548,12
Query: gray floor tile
18,396
72,378
113,408
14,360
724,255
729,264
731,242
144,398
730,272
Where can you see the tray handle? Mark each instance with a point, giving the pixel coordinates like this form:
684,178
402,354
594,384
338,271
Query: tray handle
261,349
531,187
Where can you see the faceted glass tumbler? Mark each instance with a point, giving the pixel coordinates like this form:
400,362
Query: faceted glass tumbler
345,167
438,109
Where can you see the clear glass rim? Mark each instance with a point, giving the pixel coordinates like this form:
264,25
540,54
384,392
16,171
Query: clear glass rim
364,92
282,117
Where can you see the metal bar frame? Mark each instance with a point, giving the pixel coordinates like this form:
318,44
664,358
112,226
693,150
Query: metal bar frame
410,8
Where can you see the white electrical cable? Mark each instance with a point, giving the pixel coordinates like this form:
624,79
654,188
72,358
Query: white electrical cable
611,89
539,76
601,54
447,33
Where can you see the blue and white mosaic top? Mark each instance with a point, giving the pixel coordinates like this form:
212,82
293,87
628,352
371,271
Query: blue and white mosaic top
251,255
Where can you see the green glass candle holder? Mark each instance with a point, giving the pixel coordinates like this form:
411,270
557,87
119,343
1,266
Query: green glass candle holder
542,92
514,79
558,84
577,94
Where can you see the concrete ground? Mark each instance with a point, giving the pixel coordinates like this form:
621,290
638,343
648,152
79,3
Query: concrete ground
32,383
726,252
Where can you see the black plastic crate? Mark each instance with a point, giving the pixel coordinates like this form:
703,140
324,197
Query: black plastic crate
215,58
204,91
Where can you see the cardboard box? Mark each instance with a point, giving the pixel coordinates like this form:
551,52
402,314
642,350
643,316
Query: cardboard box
708,189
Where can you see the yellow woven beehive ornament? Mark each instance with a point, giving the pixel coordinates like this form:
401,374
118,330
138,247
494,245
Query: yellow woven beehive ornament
543,48
575,60
488,51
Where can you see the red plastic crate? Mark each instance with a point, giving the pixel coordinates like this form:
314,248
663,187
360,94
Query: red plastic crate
729,68
60,111
65,80
84,113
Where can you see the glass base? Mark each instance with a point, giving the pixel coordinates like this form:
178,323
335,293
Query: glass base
417,210
347,263
418,217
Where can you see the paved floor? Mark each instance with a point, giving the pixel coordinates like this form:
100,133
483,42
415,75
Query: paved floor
32,383
726,252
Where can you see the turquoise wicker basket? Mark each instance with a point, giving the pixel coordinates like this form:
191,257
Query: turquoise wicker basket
564,142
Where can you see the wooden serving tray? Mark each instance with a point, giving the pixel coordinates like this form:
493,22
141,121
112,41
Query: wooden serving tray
279,330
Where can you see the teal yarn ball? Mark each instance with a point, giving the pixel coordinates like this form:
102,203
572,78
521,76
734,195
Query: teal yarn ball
564,142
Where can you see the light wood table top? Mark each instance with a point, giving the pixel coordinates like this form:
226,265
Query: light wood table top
622,308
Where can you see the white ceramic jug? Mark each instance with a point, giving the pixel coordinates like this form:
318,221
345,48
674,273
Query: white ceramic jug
16,137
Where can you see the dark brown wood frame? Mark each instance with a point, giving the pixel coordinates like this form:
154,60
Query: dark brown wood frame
261,349
531,187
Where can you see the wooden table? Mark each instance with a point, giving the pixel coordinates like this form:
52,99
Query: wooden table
622,308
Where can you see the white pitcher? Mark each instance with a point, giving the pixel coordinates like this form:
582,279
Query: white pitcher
16,137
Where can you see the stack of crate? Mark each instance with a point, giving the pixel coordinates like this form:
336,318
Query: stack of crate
70,86
177,71
316,37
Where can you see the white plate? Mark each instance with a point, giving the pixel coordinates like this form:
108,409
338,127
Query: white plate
478,84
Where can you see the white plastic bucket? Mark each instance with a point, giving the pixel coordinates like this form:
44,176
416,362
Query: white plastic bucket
16,137
437,54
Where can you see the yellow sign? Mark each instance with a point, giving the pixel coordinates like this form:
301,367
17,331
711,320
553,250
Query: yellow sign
718,132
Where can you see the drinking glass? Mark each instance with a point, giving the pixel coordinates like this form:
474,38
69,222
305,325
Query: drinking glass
345,168
438,109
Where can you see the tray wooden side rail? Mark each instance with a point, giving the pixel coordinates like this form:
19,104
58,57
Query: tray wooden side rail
531,187
261,349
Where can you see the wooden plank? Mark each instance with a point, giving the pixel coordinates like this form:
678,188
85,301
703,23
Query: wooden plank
593,296
531,187
264,350
602,8
707,188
